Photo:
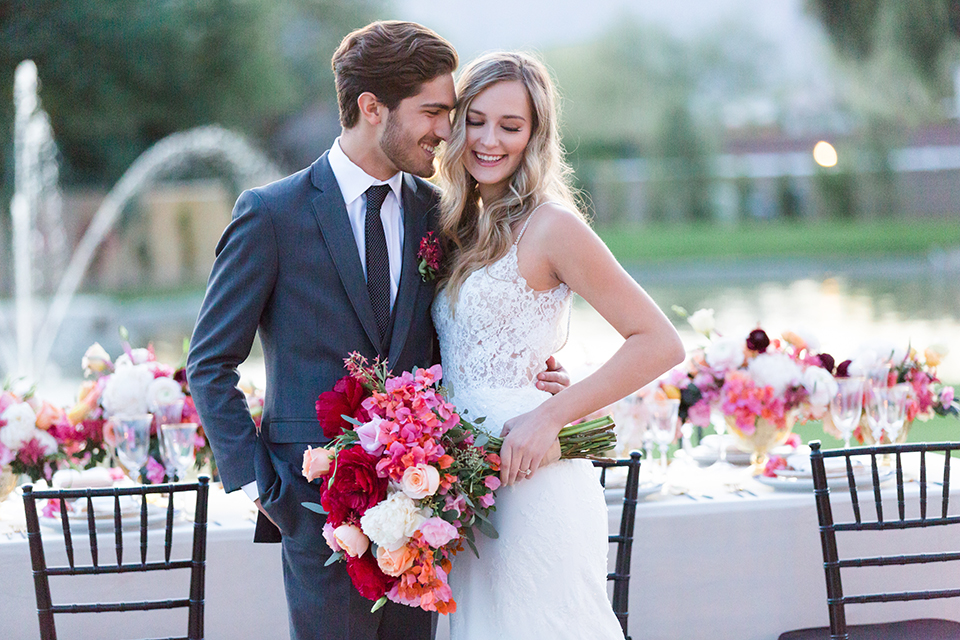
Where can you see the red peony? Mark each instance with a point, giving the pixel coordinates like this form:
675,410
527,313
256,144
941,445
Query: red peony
344,400
356,486
365,573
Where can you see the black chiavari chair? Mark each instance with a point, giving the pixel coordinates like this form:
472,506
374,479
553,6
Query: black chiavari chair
869,515
624,537
195,563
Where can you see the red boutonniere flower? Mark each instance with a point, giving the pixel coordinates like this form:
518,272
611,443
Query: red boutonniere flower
429,257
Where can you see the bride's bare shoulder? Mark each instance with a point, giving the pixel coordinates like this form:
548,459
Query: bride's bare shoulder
553,221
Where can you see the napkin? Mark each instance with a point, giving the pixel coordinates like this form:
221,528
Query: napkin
88,478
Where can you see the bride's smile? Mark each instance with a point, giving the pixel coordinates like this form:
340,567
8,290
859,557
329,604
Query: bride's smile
498,128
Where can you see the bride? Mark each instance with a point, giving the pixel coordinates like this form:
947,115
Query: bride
517,249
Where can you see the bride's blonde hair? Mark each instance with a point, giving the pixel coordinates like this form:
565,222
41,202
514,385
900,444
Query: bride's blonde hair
478,236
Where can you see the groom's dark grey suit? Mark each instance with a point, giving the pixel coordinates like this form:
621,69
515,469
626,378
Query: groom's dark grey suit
287,265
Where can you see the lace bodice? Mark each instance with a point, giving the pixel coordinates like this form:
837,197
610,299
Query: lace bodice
502,331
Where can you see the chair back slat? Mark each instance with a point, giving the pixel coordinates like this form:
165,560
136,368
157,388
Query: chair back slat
67,538
946,486
195,564
624,537
833,564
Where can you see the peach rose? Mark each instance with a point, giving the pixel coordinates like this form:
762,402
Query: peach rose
316,463
47,416
394,563
87,399
420,481
934,355
351,540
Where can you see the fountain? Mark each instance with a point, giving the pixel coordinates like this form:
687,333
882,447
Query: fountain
38,235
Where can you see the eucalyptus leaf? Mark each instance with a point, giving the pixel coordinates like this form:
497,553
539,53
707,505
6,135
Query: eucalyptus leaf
487,529
315,507
379,603
337,555
473,547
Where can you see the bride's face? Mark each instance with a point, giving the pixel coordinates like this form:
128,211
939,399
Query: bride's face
499,122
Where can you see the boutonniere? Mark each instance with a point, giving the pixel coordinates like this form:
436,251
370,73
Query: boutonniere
428,257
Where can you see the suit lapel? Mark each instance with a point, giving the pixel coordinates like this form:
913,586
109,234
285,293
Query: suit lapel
331,215
414,228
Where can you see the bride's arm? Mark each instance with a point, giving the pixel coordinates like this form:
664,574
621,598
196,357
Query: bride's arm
559,247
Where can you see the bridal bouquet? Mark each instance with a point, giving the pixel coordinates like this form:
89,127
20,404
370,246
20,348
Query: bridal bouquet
406,479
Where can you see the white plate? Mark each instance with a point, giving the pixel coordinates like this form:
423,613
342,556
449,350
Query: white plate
614,495
103,520
834,482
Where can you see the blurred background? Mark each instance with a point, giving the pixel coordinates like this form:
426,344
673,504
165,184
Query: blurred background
794,163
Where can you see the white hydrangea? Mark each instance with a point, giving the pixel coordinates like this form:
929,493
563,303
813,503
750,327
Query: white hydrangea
777,370
21,423
874,354
139,356
126,391
391,523
47,441
820,385
725,353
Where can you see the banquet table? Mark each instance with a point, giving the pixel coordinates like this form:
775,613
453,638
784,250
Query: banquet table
719,558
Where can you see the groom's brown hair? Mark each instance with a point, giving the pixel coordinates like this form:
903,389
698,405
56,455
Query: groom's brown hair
391,60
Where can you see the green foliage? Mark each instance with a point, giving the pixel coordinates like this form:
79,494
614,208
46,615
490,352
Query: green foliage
119,75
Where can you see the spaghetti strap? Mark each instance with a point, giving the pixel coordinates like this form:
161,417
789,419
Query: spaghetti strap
529,217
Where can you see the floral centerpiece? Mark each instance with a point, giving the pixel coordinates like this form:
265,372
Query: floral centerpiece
135,383
33,436
926,397
406,479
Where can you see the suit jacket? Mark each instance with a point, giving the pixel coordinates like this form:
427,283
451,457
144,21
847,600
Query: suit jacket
287,266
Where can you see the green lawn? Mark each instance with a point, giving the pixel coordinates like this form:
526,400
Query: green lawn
660,242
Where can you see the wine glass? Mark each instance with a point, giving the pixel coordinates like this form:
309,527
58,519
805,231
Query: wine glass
663,423
846,406
132,433
178,446
886,410
170,412
719,423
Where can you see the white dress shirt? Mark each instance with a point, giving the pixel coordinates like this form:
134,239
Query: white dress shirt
354,182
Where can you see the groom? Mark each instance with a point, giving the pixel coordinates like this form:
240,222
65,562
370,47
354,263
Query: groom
322,263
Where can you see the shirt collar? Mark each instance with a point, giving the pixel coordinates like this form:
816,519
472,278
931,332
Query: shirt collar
353,180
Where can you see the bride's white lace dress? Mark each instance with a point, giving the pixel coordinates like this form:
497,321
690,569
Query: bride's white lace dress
545,576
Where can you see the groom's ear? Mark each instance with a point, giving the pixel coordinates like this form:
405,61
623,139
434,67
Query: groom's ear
371,109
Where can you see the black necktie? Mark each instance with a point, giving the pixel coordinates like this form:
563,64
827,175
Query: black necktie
378,261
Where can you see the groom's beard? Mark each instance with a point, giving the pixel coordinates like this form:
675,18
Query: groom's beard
404,152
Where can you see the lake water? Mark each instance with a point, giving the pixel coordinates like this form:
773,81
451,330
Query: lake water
843,303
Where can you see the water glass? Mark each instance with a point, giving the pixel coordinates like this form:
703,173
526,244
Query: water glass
168,412
663,423
178,446
886,410
846,406
132,434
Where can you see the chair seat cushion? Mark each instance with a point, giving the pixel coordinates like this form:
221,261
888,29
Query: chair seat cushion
925,628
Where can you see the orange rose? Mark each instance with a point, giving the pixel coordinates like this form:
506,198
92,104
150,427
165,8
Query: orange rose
48,415
87,398
316,463
394,563
351,540
933,355
420,481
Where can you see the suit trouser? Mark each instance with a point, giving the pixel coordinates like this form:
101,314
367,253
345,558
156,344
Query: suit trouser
322,602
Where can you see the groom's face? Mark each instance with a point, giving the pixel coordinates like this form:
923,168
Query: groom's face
417,125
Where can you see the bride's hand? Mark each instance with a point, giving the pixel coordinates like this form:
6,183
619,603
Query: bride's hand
529,442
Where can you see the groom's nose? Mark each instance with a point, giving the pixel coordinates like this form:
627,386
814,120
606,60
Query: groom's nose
441,128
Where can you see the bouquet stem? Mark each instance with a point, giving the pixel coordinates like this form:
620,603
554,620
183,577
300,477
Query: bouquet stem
590,439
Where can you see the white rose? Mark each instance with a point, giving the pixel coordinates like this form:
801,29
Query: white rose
820,385
47,442
725,353
95,360
391,523
126,390
163,392
140,356
775,370
702,321
21,423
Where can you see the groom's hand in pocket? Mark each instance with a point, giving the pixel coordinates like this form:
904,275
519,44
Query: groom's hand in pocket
555,379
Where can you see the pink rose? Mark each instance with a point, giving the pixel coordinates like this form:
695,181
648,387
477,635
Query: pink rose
316,463
437,532
394,563
420,481
492,482
330,538
946,397
369,434
351,540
